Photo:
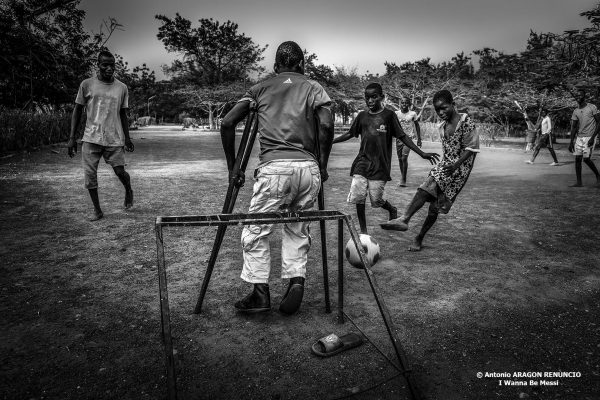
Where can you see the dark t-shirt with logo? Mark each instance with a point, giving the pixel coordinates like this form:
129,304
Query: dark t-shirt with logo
374,159
287,104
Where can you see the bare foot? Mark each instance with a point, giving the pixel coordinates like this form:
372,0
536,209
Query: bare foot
416,246
397,224
128,199
576,185
96,216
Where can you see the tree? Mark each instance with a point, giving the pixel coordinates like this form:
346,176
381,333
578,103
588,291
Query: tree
213,53
46,52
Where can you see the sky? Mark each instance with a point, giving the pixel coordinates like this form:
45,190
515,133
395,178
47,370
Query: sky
354,34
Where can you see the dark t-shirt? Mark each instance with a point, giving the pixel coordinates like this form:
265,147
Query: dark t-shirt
286,105
374,159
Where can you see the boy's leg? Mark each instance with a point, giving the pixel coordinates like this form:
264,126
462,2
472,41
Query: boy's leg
90,157
376,190
404,165
401,161
588,161
115,157
401,223
358,196
536,151
432,216
578,159
362,218
553,154
98,214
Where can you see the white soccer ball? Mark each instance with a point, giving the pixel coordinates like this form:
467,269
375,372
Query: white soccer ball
370,247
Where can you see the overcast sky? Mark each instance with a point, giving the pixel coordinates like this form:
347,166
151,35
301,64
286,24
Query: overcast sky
350,33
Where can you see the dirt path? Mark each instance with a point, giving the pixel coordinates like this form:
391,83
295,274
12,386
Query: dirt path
507,282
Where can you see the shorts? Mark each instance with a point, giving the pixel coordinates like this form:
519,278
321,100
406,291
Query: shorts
441,204
361,186
582,148
401,148
544,141
90,157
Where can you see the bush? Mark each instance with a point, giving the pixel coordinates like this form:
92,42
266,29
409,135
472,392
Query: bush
20,130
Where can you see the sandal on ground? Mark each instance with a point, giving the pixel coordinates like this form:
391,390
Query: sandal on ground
332,344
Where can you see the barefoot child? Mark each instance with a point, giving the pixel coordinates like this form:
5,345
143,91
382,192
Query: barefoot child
585,124
460,142
371,168
105,99
410,126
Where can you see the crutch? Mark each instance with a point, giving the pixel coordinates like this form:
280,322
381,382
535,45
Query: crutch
241,161
321,204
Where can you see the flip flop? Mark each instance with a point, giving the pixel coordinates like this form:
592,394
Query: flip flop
332,344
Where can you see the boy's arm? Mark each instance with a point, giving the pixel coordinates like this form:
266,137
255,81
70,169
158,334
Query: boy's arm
574,125
125,125
343,137
75,118
596,131
432,157
418,131
449,169
325,130
230,121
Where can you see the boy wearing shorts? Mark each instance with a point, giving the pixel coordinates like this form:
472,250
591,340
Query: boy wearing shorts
371,168
408,121
585,124
106,134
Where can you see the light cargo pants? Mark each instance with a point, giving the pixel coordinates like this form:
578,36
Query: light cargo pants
283,185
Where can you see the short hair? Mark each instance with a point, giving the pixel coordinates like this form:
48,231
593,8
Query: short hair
289,54
444,95
376,86
406,98
581,89
105,53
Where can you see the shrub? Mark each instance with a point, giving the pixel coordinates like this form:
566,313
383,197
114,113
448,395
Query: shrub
20,130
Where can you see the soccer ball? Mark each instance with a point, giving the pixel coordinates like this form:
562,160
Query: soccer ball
370,247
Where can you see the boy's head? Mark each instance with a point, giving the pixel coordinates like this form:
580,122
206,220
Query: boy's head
289,58
544,112
404,104
374,96
444,104
106,65
580,95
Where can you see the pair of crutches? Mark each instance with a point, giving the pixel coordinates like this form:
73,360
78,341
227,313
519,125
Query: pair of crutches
241,161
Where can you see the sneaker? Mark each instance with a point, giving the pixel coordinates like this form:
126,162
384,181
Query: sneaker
555,164
528,162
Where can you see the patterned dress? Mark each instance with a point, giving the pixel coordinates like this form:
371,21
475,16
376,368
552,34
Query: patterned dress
465,137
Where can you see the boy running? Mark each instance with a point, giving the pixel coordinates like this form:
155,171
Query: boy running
460,142
544,139
371,168
105,99
408,121
585,124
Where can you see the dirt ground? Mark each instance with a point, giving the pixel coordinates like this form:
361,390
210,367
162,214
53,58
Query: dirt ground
507,282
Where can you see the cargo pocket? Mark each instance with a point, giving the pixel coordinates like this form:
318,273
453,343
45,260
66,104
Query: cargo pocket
280,184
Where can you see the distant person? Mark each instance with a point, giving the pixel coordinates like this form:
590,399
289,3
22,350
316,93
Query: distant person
544,139
408,120
460,143
287,177
106,133
531,132
585,123
371,168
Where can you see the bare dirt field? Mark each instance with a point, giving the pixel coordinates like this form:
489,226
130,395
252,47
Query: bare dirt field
508,282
